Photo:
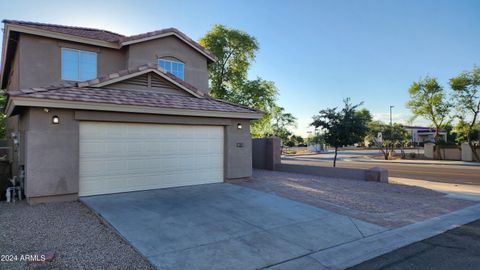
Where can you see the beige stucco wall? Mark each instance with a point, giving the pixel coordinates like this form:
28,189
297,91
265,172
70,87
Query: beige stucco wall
37,61
238,150
451,153
14,77
51,153
196,71
40,61
52,150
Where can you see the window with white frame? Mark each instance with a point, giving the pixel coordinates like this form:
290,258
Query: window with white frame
175,67
78,65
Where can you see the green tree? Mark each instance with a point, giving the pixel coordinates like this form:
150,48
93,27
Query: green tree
391,137
428,100
282,122
466,96
462,129
365,114
451,135
315,139
299,140
259,94
3,117
294,140
341,127
235,51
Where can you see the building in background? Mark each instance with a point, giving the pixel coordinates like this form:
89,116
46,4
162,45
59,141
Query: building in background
420,135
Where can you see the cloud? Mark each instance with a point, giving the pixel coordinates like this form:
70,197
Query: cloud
396,117
401,118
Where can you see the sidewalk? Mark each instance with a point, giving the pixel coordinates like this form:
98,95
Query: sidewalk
455,249
458,191
356,252
416,161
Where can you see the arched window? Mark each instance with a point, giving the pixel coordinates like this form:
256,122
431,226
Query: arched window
177,68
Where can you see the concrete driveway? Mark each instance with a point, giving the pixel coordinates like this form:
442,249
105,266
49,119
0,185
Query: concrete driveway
224,226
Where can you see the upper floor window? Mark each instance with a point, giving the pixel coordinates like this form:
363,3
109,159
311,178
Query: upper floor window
174,67
78,65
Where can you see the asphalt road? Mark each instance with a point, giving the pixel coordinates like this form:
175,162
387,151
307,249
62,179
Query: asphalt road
455,249
458,174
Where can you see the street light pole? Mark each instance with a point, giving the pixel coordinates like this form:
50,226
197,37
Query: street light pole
391,130
391,124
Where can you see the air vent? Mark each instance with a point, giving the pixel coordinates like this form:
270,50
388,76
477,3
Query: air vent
159,82
141,80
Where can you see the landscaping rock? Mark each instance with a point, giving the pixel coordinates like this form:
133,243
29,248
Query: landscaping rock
377,174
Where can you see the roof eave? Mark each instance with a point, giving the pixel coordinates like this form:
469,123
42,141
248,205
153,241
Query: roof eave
57,35
6,37
15,101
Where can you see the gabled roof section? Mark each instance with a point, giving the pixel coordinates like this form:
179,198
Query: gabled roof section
116,40
122,75
169,32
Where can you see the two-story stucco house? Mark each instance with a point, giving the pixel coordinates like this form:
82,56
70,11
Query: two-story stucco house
95,112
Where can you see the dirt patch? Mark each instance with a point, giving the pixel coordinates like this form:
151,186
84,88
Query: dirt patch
78,237
383,204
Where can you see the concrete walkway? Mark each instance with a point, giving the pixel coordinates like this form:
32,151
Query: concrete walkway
224,226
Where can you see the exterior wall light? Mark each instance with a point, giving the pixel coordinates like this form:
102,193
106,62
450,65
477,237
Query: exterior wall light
55,120
239,125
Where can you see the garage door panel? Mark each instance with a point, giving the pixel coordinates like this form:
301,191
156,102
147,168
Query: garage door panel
120,157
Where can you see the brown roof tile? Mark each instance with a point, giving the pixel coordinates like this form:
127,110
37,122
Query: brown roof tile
92,33
132,97
173,31
105,35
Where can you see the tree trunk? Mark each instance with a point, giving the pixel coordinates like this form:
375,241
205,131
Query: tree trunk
437,153
386,154
474,151
402,152
335,157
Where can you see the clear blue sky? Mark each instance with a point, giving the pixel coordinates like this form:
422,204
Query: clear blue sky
317,52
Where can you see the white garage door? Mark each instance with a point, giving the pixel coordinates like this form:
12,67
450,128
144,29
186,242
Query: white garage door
120,157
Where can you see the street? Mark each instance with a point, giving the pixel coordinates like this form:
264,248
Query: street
447,172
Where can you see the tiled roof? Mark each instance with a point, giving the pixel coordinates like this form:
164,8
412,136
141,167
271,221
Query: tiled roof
105,35
125,72
166,31
130,97
72,30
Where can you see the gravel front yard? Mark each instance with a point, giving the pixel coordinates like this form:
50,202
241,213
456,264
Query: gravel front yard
77,236
383,204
